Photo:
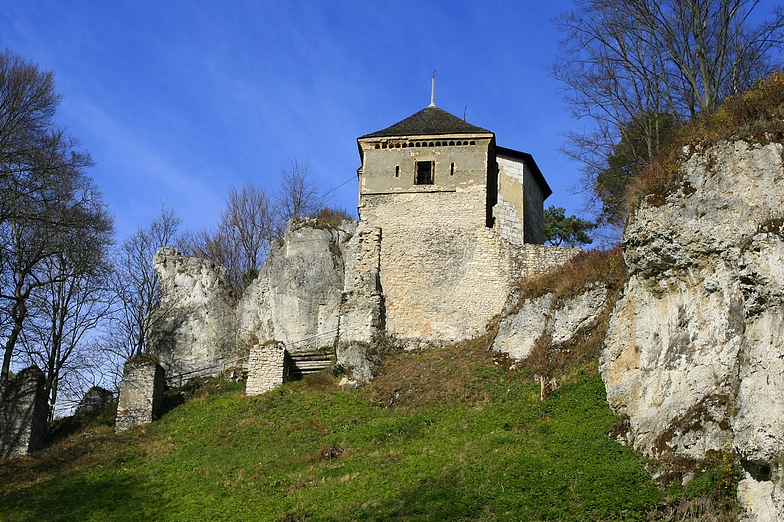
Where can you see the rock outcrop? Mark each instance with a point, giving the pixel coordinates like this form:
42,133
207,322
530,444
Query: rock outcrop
194,330
298,291
694,355
198,329
523,325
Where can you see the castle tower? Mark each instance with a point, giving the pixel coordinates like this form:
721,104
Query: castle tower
432,154
448,227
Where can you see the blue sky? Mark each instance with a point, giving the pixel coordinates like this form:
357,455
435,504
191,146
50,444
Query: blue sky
178,100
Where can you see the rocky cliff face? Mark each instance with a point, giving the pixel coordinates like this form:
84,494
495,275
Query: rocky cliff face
195,325
298,291
694,355
295,300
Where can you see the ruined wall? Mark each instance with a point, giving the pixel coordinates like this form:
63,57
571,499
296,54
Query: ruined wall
362,313
141,394
23,414
265,367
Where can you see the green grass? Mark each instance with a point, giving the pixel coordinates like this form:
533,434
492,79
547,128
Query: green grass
495,453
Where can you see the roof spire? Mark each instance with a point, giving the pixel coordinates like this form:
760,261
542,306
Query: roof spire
433,90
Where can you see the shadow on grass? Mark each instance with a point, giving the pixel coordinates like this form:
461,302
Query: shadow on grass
432,498
101,498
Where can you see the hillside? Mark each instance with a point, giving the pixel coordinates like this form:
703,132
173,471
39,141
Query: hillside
469,443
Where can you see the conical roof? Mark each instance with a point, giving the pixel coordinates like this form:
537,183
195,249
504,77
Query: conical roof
429,121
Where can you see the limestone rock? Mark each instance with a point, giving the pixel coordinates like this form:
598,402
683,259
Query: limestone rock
763,501
694,354
520,330
198,329
298,291
193,332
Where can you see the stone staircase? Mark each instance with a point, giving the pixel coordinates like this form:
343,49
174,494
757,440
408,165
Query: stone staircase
299,364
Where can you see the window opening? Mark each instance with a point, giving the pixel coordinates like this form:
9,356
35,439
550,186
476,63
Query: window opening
424,172
452,169
397,171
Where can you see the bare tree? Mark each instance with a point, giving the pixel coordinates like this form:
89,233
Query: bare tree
45,197
299,193
245,229
69,305
136,285
625,64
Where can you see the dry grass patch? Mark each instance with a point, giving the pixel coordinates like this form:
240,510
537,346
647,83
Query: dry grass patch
436,375
755,116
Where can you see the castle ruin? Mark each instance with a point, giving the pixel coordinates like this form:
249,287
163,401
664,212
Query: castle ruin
448,223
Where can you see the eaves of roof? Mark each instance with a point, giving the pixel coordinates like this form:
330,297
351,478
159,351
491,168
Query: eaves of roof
529,161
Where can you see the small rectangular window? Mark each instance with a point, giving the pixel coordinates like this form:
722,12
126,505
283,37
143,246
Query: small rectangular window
397,171
424,172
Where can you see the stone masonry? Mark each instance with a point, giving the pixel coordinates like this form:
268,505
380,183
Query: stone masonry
141,394
23,414
265,367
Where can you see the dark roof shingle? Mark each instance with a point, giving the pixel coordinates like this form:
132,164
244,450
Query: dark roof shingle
430,120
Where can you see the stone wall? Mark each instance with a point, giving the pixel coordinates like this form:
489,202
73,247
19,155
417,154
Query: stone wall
141,394
443,273
508,212
265,367
23,414
508,222
538,259
362,313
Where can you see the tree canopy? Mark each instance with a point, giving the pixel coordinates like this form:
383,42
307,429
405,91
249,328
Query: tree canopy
635,68
560,230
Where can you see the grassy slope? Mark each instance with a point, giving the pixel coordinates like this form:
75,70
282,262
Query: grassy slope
471,442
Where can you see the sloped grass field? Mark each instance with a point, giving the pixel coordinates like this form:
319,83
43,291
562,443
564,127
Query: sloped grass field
470,441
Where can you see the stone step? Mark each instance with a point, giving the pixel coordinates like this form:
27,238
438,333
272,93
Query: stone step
301,364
